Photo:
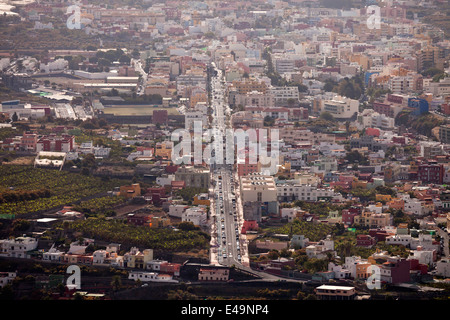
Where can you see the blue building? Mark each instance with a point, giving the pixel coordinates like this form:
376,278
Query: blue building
419,105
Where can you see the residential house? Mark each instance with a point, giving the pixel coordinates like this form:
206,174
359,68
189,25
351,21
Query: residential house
18,247
211,274
330,292
6,278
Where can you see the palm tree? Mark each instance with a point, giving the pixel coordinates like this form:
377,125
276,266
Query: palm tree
116,283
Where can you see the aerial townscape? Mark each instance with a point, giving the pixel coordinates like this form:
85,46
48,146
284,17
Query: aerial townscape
225,150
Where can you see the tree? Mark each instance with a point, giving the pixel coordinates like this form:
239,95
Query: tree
89,161
268,121
15,117
135,53
116,282
326,116
125,59
356,157
187,226
273,255
21,225
291,102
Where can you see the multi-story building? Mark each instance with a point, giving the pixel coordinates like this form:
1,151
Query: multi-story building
370,119
64,143
291,192
249,85
284,95
213,274
18,247
368,142
190,80
328,292
431,173
255,99
196,215
164,149
395,271
258,187
373,220
193,177
340,107
444,133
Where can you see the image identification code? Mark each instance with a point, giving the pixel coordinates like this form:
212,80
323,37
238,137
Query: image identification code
246,309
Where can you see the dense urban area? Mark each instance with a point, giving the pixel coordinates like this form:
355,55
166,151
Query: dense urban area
225,150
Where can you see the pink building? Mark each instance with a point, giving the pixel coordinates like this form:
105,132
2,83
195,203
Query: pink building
249,225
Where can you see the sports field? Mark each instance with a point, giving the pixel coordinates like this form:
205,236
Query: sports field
137,110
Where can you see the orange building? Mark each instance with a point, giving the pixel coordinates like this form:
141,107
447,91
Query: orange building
130,191
397,204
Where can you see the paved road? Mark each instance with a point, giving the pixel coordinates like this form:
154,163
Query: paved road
444,235
229,246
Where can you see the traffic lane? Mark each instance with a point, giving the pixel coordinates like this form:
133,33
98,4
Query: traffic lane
232,239
444,235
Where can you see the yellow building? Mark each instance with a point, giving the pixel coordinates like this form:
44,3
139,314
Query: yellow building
159,222
130,191
164,149
373,220
359,184
249,85
137,259
383,197
285,170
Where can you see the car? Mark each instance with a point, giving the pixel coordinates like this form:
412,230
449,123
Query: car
224,255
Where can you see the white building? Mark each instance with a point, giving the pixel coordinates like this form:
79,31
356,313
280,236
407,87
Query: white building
165,180
150,276
53,255
97,151
340,107
191,117
287,192
18,247
99,257
372,119
424,256
443,268
414,206
177,210
281,95
196,215
299,241
339,271
258,187
54,66
351,264
6,277
289,213
320,250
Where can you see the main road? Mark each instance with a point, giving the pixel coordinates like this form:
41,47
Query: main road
229,247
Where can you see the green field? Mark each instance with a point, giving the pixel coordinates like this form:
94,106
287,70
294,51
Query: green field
141,236
64,188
